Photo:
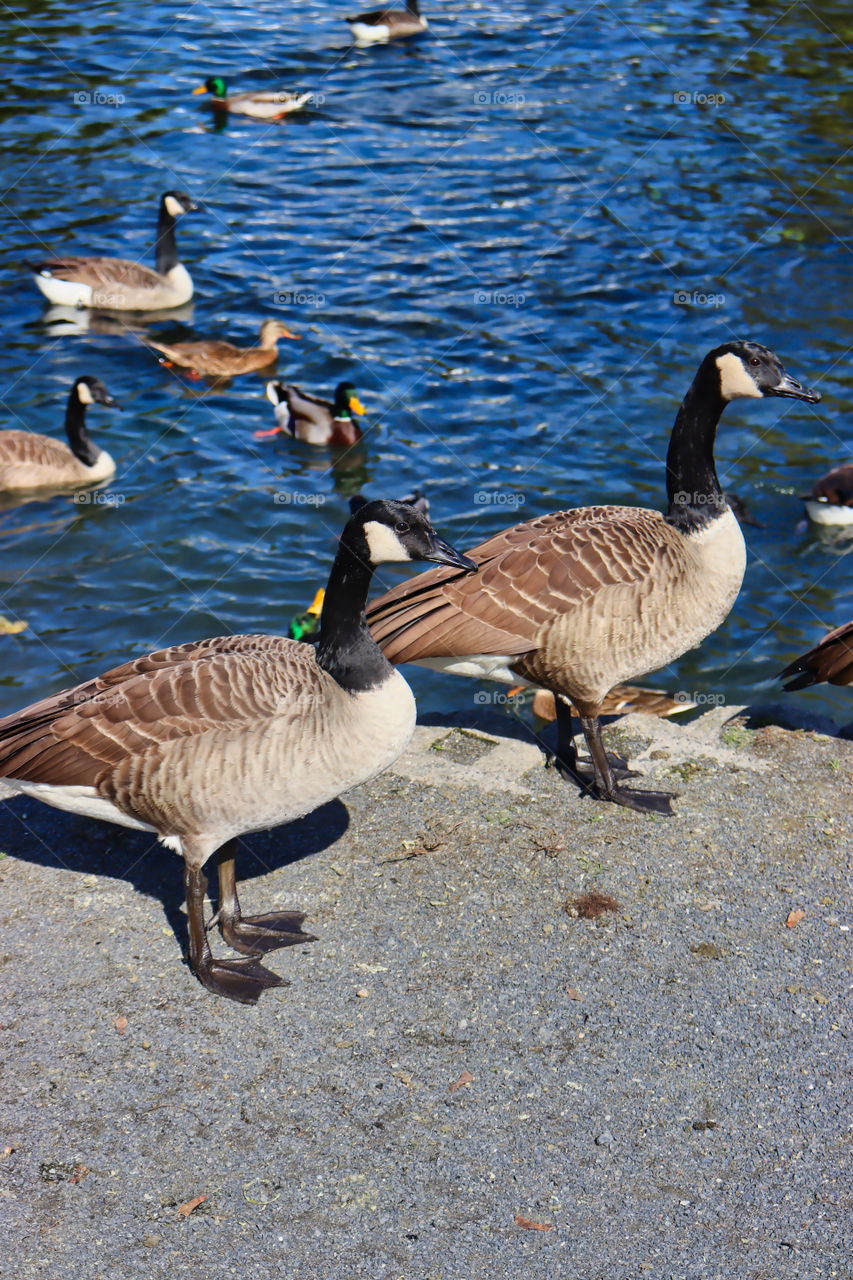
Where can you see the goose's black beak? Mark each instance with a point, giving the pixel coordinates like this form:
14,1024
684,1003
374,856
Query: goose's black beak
443,553
788,386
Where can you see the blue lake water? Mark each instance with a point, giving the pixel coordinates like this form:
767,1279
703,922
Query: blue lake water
517,236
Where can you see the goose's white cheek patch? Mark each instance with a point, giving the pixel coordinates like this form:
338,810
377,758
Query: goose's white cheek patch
173,207
735,380
84,395
383,543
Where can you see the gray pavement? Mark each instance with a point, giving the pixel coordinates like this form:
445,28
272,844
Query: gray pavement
465,1079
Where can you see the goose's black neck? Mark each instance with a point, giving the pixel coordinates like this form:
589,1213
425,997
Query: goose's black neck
412,6
75,428
346,650
165,250
695,496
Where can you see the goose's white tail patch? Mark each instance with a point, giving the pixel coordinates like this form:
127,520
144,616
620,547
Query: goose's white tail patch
64,293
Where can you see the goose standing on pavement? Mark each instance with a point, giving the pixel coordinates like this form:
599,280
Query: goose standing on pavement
117,284
205,741
378,26
582,600
32,461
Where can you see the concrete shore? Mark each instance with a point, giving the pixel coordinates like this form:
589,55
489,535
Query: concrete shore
538,1036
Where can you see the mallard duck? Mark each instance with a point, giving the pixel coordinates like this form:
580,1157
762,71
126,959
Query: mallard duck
264,104
206,741
620,701
378,26
316,421
579,601
116,284
305,626
830,500
31,461
221,359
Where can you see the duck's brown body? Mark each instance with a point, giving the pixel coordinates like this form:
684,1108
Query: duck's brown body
218,359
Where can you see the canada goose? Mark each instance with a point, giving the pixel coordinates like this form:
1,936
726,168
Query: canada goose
116,284
416,499
31,461
830,660
267,104
830,500
221,359
306,625
581,600
209,740
378,26
315,421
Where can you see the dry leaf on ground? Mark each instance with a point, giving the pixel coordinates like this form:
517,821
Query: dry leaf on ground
527,1225
187,1208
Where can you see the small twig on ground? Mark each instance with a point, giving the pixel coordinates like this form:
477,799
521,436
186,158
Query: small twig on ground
429,842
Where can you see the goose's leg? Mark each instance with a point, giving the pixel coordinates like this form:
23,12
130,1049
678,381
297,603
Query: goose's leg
242,980
605,786
253,934
566,761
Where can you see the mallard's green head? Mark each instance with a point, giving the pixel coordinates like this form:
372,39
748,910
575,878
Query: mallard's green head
215,85
347,401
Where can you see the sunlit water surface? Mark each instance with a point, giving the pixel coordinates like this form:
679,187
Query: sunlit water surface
517,236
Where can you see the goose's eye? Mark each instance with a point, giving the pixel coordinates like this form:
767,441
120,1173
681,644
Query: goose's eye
402,527
754,360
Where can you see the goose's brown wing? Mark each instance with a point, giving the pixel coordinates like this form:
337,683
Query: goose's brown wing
26,448
75,737
527,574
101,273
831,661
